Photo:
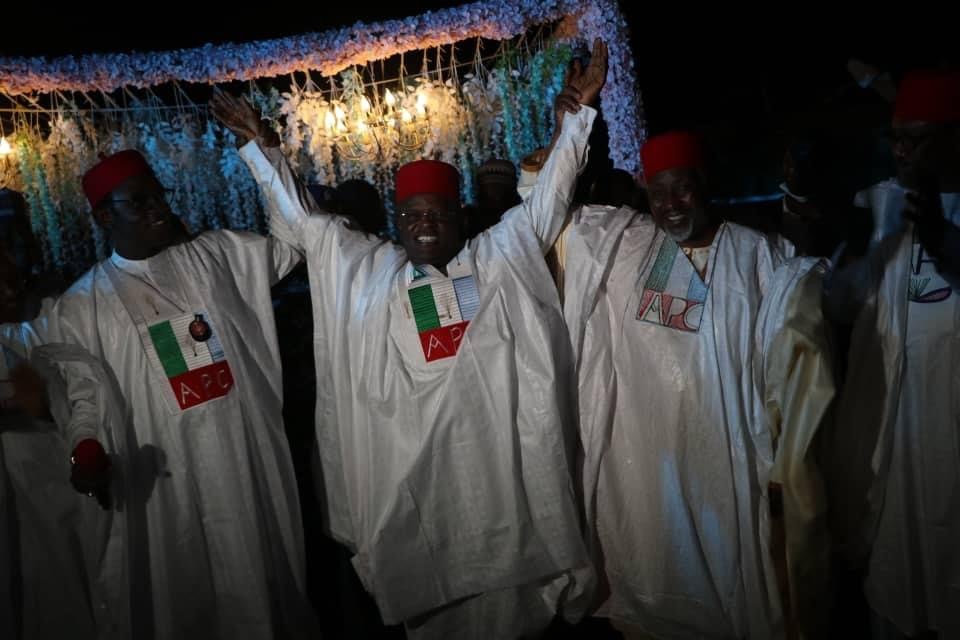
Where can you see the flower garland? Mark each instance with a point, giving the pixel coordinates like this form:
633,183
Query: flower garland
526,97
332,51
555,63
210,186
529,99
505,112
63,158
503,78
43,213
32,194
620,97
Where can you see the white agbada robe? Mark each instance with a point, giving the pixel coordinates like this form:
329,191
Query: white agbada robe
676,421
43,526
898,431
207,520
58,536
43,520
445,449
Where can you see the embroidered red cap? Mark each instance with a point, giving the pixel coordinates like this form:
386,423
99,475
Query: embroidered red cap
106,175
428,176
673,150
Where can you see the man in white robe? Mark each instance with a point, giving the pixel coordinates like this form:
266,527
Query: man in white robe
897,457
703,376
42,518
198,474
444,415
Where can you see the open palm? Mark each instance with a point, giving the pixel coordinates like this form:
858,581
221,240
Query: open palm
588,81
235,113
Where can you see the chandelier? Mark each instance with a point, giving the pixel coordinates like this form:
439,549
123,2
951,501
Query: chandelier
362,128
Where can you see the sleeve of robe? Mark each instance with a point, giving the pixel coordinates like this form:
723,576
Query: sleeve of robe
279,250
288,203
294,215
535,165
281,246
546,206
798,389
86,402
78,386
250,256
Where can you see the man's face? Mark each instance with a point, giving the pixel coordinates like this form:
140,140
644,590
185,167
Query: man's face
431,229
678,204
920,149
141,217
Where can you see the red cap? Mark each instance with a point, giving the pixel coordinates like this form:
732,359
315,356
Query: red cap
674,150
106,175
90,456
928,96
428,176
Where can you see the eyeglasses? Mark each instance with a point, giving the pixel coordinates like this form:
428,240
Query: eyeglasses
438,216
144,199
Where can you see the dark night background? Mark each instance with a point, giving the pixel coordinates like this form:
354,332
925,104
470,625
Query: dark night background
751,79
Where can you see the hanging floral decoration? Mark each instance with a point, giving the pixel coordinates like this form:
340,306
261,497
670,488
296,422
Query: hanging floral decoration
350,123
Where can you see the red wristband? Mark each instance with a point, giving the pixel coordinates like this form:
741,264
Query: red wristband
90,456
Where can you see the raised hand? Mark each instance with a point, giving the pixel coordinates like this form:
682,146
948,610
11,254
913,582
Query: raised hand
582,85
588,82
239,116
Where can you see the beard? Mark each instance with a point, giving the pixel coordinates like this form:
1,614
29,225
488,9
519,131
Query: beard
682,233
686,224
695,222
